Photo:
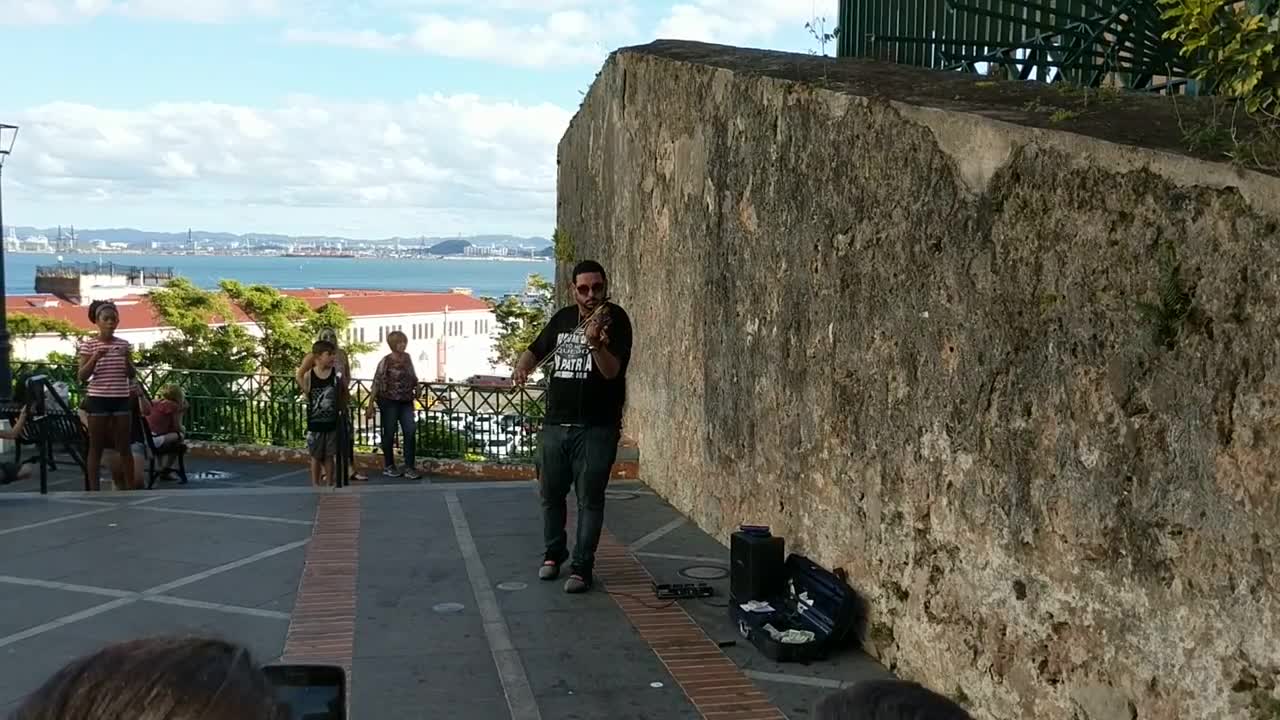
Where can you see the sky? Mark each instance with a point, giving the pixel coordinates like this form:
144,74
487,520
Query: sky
360,118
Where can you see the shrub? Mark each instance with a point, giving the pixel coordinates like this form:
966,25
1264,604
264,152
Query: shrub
1238,48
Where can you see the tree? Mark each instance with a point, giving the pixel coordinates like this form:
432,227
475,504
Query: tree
24,326
282,321
206,333
288,324
520,320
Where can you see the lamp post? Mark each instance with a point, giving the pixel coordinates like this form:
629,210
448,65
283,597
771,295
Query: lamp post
8,134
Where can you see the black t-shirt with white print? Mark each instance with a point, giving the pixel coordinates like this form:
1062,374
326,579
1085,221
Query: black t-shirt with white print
577,394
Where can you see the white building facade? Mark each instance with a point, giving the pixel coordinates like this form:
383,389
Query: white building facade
451,335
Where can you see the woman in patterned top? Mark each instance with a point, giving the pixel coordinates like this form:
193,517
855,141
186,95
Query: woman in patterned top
105,364
395,388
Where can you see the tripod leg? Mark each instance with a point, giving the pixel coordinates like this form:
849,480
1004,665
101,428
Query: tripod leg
46,450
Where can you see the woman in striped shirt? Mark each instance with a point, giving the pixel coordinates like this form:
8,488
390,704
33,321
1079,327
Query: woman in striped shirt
105,364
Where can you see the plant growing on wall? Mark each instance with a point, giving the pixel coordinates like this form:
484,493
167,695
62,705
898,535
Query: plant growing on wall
563,246
1175,304
1238,44
817,28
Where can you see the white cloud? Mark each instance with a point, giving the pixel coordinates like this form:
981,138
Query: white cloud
491,5
743,22
378,165
360,39
563,39
579,33
50,12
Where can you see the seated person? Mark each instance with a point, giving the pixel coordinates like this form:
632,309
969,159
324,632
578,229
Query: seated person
888,700
11,471
165,416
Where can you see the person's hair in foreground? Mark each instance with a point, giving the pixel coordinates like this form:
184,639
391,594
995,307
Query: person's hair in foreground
888,700
167,678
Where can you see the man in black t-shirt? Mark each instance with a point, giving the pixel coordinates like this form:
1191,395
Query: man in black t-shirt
586,391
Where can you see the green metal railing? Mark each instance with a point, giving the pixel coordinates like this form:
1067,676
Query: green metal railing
1085,42
453,420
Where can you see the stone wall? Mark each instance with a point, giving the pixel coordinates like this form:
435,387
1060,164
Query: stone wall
898,315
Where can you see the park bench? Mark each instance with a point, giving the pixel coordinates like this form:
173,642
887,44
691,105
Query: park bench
51,425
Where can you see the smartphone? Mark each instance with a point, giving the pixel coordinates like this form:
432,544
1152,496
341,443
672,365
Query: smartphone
309,692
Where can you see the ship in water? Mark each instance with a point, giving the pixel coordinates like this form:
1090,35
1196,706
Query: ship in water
318,254
317,250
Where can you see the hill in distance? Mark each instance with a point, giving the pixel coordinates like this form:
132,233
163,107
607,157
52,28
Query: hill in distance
142,239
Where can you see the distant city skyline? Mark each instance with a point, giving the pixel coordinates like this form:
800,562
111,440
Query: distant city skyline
18,238
364,120
141,235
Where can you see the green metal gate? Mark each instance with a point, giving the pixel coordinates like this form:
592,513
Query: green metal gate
1086,42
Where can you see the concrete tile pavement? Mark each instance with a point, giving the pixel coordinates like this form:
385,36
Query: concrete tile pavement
429,640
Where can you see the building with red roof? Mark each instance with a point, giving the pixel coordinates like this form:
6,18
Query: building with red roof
450,333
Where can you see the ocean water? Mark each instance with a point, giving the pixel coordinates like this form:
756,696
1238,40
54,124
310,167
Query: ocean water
485,278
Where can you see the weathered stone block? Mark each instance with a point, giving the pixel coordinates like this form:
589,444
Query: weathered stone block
936,340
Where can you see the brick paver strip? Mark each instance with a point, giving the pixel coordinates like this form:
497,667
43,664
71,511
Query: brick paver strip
715,685
323,625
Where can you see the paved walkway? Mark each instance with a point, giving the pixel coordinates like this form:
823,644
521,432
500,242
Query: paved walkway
427,590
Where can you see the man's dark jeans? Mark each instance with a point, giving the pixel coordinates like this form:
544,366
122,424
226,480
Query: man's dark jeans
579,456
399,412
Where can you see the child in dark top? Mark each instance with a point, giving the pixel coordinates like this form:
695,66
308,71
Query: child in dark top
323,390
342,366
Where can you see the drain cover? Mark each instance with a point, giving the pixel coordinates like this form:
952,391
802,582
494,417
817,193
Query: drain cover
620,495
448,607
704,572
211,475
512,585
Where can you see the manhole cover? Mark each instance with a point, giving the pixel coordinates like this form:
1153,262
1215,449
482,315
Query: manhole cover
620,495
211,475
704,572
513,585
448,607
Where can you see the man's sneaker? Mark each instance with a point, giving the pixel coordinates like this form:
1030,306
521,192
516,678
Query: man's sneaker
411,474
392,471
578,582
550,569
